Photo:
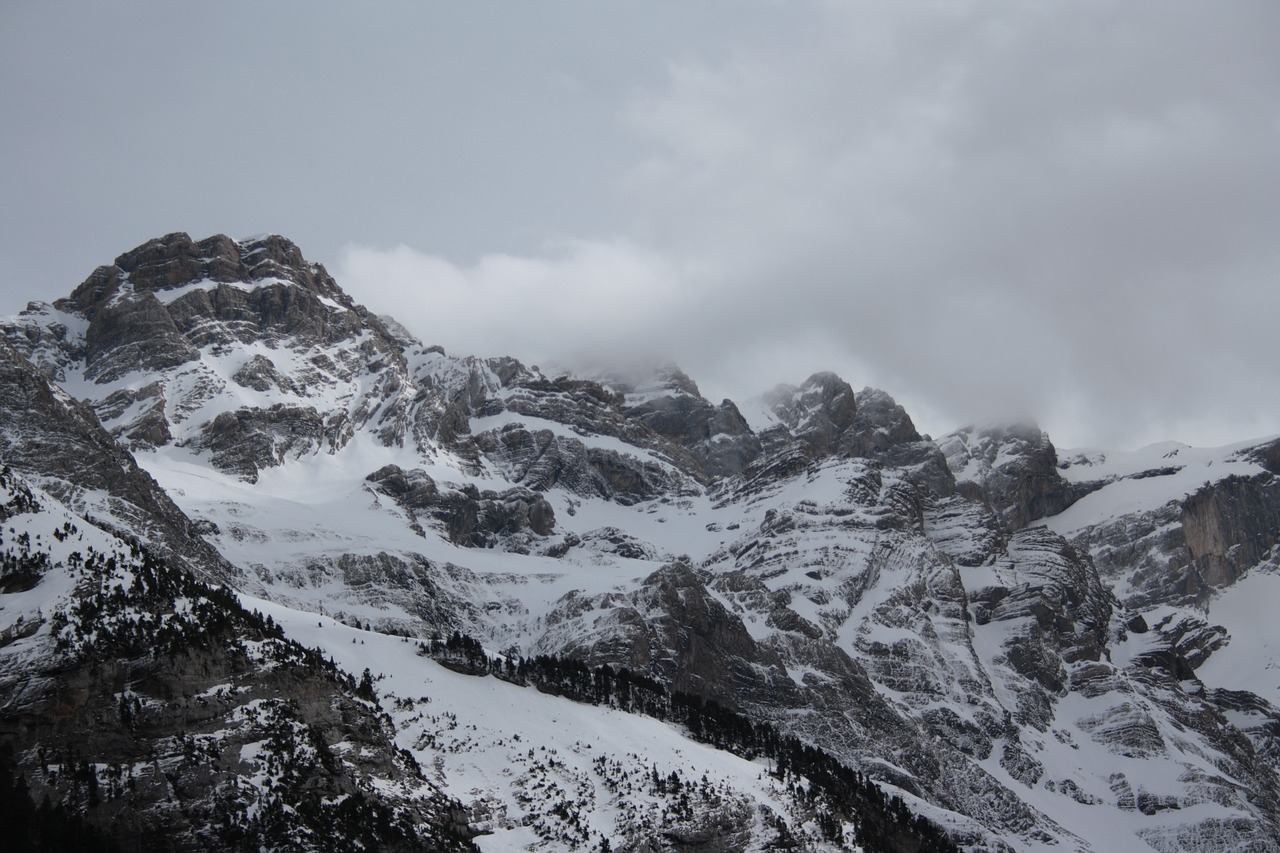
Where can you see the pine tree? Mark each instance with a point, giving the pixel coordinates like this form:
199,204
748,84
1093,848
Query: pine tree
365,689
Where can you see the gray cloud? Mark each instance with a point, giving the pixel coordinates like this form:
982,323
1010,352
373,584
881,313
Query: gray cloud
990,209
1066,210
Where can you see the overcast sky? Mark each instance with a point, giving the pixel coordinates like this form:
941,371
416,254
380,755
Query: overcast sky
1067,210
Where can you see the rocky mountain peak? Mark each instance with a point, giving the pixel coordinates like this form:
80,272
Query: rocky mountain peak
824,396
669,377
826,413
819,412
638,382
1014,466
881,422
663,398
159,304
242,349
175,260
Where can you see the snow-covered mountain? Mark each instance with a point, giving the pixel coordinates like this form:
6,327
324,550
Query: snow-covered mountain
1029,648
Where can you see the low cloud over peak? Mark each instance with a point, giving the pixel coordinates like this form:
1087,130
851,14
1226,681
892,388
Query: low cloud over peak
1066,210
1061,209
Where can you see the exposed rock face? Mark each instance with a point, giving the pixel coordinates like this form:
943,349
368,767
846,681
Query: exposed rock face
823,417
50,341
248,440
1061,602
1015,468
1148,550
140,414
182,311
1258,719
543,460
467,515
260,374
881,423
1267,455
670,404
130,332
1185,642
1230,526
144,314
1173,528
820,414
680,632
1204,536
175,260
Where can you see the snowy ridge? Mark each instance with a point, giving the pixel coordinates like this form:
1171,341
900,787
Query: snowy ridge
537,772
1146,479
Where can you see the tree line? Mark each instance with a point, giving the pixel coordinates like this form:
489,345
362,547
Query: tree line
837,793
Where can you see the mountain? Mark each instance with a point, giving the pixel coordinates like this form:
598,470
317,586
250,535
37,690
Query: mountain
1025,647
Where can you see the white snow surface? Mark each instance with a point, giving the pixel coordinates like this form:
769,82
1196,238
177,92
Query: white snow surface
1251,659
1145,479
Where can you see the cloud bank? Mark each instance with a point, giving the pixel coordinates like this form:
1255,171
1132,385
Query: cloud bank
990,208
1066,210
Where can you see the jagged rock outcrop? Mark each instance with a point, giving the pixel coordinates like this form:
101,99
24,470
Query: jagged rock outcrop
820,413
669,403
246,441
151,310
139,415
467,515
675,628
1185,642
543,460
184,312
824,417
1014,468
1257,718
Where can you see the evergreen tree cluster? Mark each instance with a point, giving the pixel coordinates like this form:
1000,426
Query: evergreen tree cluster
141,604
28,828
20,499
837,793
21,567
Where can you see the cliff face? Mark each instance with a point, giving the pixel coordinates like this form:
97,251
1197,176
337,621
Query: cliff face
1230,526
962,620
